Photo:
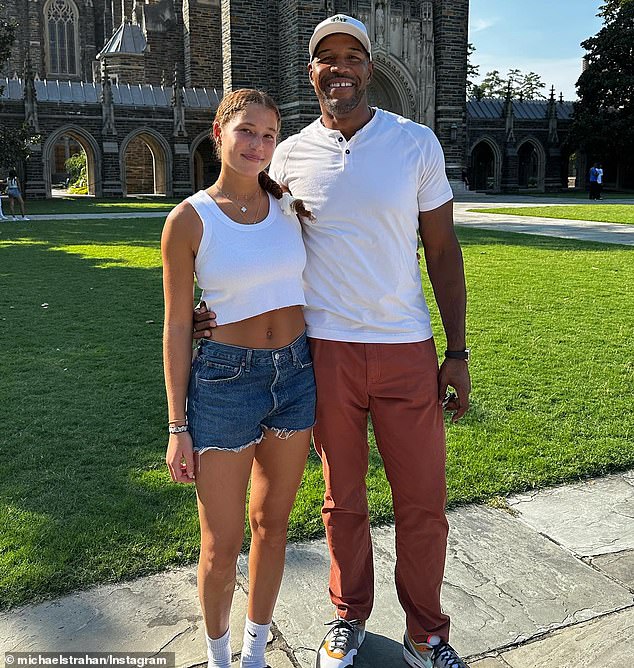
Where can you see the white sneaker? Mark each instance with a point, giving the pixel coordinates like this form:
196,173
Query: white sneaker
25,218
341,644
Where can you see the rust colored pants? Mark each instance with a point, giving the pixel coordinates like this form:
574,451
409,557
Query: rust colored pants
397,384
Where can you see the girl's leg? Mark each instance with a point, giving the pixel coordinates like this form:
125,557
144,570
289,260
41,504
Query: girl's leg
277,473
221,484
22,206
12,205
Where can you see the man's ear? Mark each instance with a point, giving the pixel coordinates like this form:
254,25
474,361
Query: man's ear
309,67
370,70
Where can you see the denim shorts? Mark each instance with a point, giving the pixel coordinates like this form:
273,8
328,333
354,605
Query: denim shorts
235,393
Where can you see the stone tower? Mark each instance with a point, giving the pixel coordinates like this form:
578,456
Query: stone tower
419,51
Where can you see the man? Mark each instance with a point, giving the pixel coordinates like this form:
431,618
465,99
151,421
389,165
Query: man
594,181
374,180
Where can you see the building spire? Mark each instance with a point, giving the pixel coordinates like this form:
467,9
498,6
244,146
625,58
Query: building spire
178,104
107,102
30,96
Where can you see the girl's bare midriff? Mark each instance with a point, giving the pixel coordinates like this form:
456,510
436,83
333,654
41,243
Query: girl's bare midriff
273,329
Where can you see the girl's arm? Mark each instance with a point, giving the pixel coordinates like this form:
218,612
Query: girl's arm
179,242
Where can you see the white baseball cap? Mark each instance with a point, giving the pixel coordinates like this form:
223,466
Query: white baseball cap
336,24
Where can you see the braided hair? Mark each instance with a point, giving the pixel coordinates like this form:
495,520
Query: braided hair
237,101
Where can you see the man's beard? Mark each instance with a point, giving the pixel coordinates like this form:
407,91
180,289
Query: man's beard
337,107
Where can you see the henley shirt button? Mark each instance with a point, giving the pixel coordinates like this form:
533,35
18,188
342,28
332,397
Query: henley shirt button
340,138
347,151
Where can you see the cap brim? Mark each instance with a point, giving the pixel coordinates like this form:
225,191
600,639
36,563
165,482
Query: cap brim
333,29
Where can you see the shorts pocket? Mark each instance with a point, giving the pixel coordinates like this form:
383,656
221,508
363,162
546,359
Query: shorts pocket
211,372
302,358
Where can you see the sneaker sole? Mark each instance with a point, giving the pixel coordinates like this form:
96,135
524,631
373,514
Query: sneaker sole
413,660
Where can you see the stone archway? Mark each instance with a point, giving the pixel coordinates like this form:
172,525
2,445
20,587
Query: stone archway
485,166
531,165
145,163
392,88
382,94
89,146
204,165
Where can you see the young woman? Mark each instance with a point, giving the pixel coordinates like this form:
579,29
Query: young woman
243,410
13,191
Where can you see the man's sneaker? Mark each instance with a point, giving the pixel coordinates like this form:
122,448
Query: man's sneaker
341,644
432,654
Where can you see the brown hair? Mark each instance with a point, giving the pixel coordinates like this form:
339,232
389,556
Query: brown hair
237,101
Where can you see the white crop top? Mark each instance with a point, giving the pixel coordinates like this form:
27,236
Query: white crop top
245,270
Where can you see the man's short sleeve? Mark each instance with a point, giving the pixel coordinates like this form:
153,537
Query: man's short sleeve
433,187
276,169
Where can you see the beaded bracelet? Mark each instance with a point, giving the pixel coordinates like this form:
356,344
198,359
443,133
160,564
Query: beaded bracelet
177,429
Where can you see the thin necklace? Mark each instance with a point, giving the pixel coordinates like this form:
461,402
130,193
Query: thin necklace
239,201
243,209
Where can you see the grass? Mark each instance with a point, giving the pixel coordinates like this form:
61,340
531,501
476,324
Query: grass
85,496
577,194
73,205
606,213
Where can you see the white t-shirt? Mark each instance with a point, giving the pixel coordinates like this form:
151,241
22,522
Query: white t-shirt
362,279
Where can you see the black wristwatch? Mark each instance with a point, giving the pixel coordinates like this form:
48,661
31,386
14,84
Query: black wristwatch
458,354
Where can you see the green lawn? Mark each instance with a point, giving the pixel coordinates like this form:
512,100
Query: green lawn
579,194
606,213
73,205
84,494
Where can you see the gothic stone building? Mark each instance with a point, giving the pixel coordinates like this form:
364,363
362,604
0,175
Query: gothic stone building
135,83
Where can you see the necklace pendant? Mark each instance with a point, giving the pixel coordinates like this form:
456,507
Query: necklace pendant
243,209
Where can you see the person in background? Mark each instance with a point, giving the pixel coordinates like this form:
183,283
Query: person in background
593,177
599,181
13,191
2,216
244,409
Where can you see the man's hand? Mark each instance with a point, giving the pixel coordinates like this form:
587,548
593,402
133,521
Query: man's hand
204,321
454,373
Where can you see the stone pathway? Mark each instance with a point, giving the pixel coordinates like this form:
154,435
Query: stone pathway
612,233
547,581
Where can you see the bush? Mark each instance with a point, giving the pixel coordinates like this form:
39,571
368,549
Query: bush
77,169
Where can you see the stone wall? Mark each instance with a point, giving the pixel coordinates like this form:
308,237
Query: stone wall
451,23
202,43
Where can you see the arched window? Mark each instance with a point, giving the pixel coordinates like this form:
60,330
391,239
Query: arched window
61,20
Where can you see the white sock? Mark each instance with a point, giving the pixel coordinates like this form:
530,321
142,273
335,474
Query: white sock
219,651
254,644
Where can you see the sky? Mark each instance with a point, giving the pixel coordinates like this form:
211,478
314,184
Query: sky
541,36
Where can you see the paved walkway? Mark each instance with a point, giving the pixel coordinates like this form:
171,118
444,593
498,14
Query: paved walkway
546,580
612,233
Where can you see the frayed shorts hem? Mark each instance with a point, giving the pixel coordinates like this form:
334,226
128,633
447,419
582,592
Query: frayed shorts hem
280,432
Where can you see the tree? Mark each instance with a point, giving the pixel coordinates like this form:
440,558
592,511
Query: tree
520,85
77,169
7,35
603,123
473,71
14,145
